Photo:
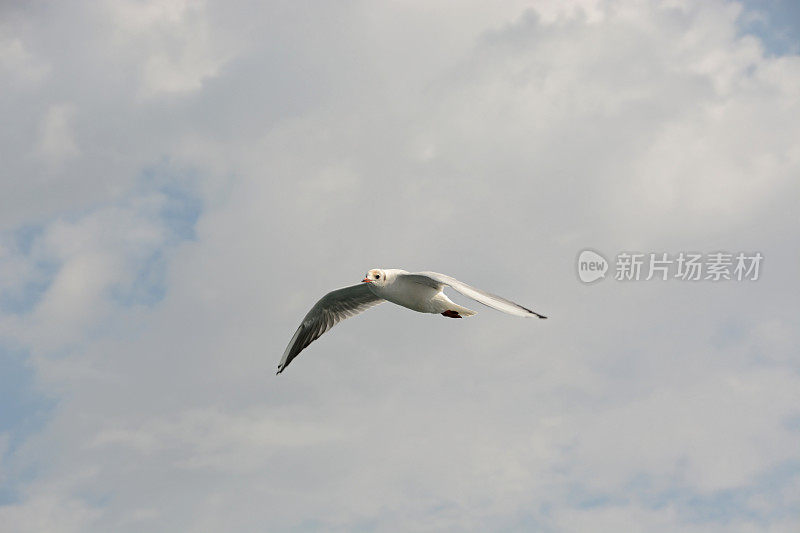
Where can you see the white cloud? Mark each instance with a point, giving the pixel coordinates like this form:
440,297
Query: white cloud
19,64
176,40
48,513
57,140
327,142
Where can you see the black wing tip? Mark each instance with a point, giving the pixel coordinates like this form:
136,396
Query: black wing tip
534,313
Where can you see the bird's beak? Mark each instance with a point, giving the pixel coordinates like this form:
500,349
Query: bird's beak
365,280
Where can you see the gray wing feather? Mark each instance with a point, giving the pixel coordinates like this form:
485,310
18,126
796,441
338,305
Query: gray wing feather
327,312
438,281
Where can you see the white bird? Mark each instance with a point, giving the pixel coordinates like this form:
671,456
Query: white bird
420,291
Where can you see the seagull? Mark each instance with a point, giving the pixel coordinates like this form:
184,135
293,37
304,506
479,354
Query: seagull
419,291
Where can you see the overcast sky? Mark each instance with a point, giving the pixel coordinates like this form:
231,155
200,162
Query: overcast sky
182,180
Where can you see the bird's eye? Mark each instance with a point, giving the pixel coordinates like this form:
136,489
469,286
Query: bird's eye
377,276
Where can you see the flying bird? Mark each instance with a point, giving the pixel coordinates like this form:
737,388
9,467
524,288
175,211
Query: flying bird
419,291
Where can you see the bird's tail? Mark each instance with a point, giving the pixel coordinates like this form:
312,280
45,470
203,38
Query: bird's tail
460,310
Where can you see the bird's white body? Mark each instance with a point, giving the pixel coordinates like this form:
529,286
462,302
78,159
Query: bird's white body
401,290
418,291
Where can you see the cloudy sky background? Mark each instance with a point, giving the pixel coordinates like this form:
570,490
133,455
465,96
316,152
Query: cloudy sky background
183,179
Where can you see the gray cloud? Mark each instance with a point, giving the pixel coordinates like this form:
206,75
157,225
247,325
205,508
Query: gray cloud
312,144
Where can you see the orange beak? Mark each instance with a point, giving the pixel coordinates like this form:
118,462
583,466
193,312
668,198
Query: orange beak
365,280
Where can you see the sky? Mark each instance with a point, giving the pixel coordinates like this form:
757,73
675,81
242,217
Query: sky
183,179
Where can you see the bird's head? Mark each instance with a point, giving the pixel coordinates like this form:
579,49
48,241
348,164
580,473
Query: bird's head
376,276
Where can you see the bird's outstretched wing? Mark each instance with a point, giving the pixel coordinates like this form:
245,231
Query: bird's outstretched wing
436,280
330,310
